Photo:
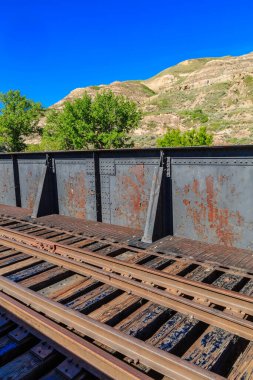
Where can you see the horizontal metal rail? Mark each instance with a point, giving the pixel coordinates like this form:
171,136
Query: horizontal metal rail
163,362
90,240
71,342
231,323
198,290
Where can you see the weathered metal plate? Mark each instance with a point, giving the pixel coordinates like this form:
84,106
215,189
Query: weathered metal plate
212,200
7,186
76,188
29,175
125,190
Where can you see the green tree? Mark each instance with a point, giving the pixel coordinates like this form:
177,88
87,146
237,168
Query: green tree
193,137
104,122
19,118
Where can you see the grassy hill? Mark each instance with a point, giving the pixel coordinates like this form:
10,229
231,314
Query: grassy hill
215,92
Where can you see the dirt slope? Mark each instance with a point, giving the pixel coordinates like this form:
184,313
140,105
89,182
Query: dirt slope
222,88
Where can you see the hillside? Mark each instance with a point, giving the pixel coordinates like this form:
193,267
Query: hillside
216,92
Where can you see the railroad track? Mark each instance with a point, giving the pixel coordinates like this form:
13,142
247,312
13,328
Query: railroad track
26,353
201,270
156,315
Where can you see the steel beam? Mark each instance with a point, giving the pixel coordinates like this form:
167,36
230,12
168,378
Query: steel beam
152,206
16,181
41,187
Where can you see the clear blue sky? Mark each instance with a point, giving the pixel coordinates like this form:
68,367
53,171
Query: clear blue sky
50,47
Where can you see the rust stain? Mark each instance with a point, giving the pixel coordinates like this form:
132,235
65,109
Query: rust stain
187,189
239,218
198,216
132,196
75,200
222,179
32,186
138,172
206,214
210,196
30,201
195,187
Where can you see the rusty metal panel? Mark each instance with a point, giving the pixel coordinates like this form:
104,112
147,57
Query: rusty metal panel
125,190
212,200
76,187
7,186
30,171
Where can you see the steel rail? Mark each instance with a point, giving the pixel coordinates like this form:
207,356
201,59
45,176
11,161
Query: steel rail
171,256
74,344
229,299
226,321
163,362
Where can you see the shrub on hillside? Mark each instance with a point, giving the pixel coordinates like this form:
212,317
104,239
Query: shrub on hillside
196,115
193,137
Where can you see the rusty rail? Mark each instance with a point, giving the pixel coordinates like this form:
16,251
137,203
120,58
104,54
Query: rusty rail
90,240
165,363
228,322
229,299
71,342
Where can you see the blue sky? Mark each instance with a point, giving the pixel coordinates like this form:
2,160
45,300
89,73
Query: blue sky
50,47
